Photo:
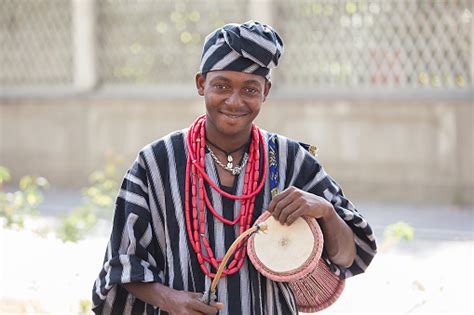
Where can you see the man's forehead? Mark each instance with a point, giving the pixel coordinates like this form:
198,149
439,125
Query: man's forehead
231,76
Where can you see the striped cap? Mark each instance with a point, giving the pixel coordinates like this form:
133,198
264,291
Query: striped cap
250,47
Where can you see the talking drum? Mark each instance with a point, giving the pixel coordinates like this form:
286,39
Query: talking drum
292,254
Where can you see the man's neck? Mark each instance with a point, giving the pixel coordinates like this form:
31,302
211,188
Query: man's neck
229,144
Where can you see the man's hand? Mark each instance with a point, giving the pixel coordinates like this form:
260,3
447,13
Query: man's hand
293,203
182,302
170,300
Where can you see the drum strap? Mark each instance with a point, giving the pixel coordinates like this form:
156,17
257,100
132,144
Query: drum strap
273,160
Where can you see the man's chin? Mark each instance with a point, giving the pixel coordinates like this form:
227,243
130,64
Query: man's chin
233,131
234,119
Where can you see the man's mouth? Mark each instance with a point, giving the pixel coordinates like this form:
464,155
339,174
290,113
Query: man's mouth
233,115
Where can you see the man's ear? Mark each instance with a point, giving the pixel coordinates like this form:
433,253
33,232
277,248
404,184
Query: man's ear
200,83
268,86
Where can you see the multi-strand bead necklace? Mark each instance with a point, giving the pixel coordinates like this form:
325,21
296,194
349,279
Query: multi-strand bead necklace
196,177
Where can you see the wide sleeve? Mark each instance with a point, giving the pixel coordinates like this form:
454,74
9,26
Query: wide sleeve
133,253
310,176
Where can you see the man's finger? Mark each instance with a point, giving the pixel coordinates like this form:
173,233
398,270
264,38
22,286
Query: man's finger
295,215
196,295
281,206
204,308
294,206
278,197
218,305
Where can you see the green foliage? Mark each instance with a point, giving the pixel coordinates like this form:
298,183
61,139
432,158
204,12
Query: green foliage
4,175
85,307
398,231
75,225
99,199
101,193
14,206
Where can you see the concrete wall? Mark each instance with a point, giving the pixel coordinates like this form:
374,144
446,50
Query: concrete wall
378,150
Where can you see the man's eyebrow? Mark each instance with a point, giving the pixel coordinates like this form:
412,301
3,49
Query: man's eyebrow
253,82
221,78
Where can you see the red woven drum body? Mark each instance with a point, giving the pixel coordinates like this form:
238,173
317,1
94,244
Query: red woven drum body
292,254
317,290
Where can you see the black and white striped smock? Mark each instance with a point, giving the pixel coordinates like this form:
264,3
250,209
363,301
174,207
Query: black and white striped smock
149,241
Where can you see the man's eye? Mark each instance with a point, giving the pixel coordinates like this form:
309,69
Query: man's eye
251,90
220,86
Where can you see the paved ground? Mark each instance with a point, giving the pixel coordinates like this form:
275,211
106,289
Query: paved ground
431,222
432,274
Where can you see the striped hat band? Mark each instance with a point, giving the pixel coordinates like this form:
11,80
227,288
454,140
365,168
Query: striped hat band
250,47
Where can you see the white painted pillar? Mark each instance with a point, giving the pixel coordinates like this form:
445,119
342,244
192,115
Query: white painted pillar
261,11
472,42
84,38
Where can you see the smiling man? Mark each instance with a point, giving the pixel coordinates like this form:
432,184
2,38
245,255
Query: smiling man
189,195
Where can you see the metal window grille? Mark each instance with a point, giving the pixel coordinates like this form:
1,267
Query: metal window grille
158,42
35,43
329,44
384,43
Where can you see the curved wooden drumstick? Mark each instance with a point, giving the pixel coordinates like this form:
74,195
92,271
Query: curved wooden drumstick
210,294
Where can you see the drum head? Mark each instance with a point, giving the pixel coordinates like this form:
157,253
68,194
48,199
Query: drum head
286,253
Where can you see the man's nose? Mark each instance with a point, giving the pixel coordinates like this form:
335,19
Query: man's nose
234,99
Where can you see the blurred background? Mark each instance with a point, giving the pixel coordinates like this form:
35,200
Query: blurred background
383,88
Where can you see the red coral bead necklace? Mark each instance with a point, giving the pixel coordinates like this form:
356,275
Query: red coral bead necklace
194,189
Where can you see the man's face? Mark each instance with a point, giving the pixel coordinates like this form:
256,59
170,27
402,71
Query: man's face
233,100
